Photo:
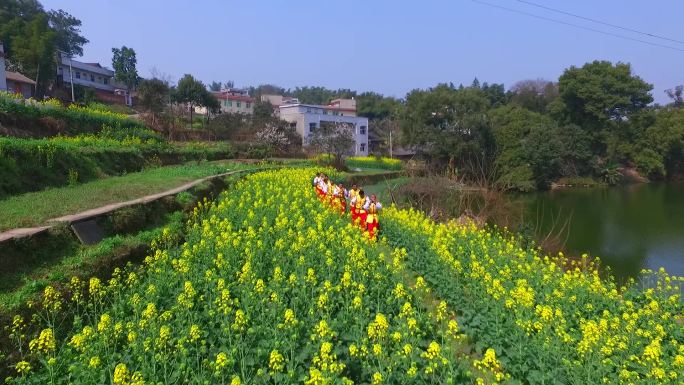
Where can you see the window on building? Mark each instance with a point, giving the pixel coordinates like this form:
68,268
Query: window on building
78,75
325,112
247,105
229,103
312,127
362,147
92,78
308,110
237,104
105,80
362,130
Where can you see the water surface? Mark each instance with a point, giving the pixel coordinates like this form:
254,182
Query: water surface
629,227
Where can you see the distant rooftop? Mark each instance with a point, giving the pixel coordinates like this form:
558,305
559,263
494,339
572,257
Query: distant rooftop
19,78
92,67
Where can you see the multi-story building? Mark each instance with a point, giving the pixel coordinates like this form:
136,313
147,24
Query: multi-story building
235,101
91,75
94,76
307,118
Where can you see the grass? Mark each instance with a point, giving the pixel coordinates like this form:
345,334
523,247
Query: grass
384,189
35,208
83,262
56,256
372,171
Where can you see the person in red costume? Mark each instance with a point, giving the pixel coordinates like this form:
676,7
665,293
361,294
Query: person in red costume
372,208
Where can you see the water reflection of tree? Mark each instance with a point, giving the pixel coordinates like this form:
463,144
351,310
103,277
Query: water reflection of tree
623,225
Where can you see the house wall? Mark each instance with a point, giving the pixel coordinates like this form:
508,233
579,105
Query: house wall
231,106
87,75
87,78
26,90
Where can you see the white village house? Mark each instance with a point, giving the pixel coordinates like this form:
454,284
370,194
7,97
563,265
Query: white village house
94,76
307,118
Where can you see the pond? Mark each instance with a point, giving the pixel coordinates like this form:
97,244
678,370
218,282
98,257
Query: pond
629,227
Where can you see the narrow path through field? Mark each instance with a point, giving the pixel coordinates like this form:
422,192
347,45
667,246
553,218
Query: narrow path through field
91,213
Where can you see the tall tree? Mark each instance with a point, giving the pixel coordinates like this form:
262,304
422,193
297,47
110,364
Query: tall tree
34,50
376,106
262,114
192,93
68,31
266,89
535,95
25,10
601,98
448,125
153,96
677,95
386,133
334,138
124,63
215,86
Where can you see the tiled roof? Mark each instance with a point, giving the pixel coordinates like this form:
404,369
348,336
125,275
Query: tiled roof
227,96
19,78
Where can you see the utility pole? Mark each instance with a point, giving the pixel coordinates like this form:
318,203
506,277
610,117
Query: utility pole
71,74
391,143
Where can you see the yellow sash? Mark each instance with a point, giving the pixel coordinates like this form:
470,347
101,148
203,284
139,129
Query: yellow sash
372,213
359,204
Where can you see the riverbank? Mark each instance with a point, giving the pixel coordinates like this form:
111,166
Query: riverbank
628,228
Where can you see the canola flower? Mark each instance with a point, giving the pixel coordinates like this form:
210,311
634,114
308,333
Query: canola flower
269,286
586,327
373,162
266,268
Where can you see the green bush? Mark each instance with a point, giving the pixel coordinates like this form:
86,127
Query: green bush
650,163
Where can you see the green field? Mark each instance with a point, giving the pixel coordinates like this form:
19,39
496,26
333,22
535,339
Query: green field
33,209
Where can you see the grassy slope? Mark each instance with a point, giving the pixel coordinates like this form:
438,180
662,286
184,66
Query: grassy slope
383,189
59,260
32,209
84,261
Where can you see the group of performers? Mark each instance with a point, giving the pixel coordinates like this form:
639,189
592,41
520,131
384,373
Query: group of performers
363,209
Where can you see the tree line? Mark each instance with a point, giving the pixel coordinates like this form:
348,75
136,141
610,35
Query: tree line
596,121
32,36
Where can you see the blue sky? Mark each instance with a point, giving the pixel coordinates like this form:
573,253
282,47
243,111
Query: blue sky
385,46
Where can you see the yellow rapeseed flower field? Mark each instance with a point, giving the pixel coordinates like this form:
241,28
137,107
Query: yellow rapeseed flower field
272,287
